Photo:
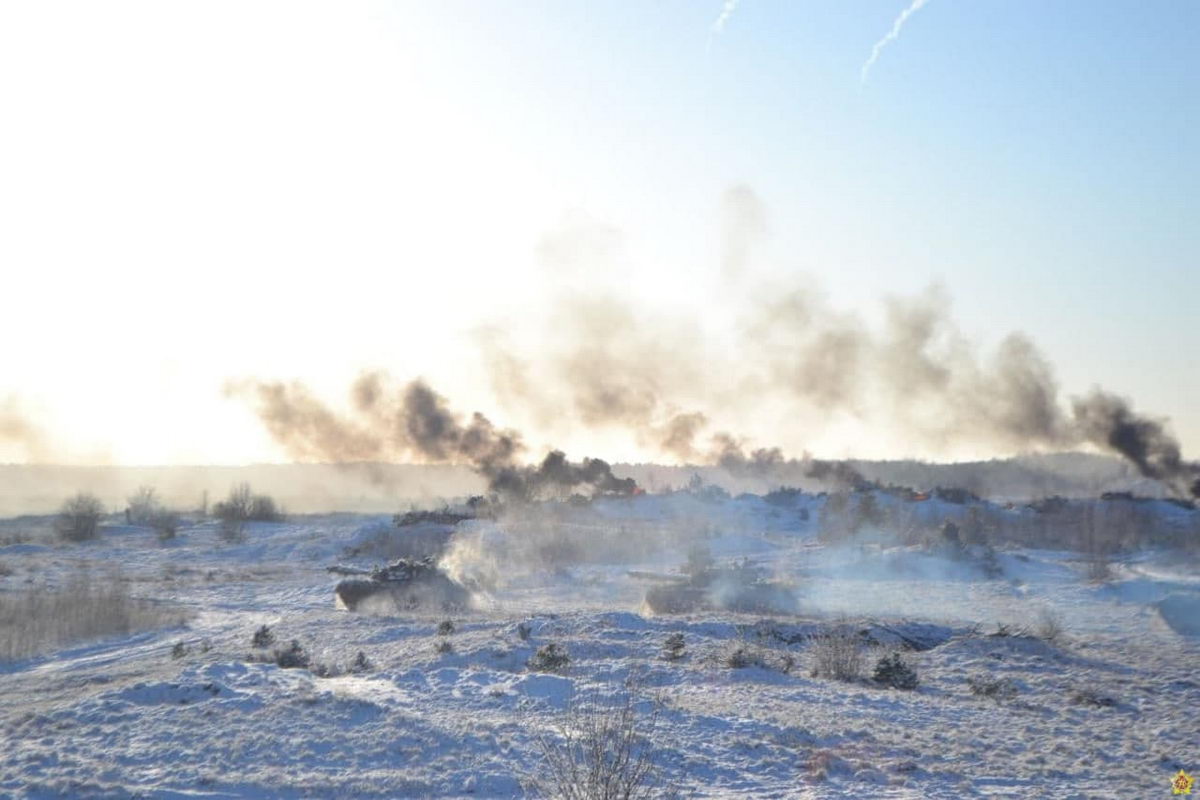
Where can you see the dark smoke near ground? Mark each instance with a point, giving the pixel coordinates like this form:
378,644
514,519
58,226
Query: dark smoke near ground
415,423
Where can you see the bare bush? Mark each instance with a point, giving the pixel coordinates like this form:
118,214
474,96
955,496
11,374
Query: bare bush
836,654
35,621
599,750
142,506
79,519
1050,627
242,505
742,655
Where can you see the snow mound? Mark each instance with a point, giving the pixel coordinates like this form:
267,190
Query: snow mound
1182,613
551,690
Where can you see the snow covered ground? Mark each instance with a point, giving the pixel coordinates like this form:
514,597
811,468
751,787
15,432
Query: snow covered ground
1111,709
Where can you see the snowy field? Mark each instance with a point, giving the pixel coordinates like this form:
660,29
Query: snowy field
1108,709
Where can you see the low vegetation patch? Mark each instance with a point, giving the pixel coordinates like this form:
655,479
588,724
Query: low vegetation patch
1088,696
551,657
36,621
990,686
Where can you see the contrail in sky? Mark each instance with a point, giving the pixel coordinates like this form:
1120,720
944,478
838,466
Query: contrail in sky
891,35
727,9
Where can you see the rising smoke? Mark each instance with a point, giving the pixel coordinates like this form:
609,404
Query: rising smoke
615,365
415,423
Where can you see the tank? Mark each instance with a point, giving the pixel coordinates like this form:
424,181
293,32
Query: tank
407,584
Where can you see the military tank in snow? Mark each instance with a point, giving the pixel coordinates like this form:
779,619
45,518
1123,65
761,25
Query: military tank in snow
706,586
407,584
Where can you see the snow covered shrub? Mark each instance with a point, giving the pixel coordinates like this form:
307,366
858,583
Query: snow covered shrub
322,670
998,689
673,647
743,654
445,627
5,570
836,654
361,664
79,518
524,631
599,750
551,657
263,637
444,647
34,621
179,650
294,656
892,670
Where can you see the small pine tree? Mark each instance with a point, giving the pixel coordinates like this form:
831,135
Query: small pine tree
263,637
551,657
673,647
893,671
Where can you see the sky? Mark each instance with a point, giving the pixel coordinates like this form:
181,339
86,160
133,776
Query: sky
195,194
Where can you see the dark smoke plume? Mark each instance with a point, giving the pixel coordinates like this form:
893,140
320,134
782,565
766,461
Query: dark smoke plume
1108,421
416,423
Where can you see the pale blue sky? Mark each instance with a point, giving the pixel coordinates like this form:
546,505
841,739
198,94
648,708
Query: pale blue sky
1038,159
